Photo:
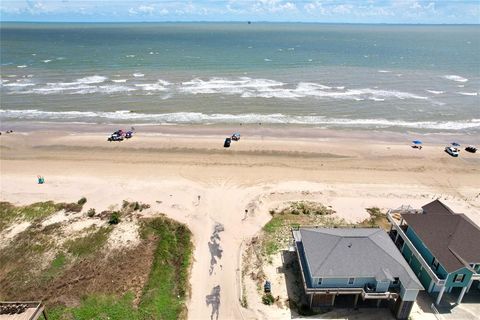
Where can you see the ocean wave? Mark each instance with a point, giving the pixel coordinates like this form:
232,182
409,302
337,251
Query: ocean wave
455,78
22,66
468,93
244,87
435,91
248,118
138,75
46,61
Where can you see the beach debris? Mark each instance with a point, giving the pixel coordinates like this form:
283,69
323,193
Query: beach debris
41,179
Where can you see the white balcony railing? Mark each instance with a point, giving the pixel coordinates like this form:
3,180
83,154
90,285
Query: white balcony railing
425,265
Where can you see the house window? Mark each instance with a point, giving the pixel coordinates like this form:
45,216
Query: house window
396,280
435,263
459,278
319,281
351,280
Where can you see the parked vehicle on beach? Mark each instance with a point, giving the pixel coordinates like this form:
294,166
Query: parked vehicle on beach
115,137
128,134
452,151
227,142
267,287
471,149
236,136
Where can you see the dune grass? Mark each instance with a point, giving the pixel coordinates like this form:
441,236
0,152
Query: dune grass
167,287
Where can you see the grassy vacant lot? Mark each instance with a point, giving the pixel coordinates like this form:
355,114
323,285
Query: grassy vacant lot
79,277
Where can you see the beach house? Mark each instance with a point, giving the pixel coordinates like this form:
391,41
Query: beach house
442,248
354,267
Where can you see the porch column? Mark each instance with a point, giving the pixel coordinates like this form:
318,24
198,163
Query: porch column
333,299
311,300
469,285
356,301
462,293
440,295
378,303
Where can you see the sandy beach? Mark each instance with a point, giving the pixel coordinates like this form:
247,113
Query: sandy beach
190,177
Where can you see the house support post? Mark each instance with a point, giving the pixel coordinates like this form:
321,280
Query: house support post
469,285
356,301
462,293
333,299
378,303
440,295
311,300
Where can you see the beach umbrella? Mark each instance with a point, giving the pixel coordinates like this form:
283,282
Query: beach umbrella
417,142
455,144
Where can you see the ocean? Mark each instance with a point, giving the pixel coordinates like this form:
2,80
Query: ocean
419,78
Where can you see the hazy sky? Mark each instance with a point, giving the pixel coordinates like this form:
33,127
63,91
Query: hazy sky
350,11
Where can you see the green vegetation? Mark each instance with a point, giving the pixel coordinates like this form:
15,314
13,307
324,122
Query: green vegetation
268,299
114,218
35,211
57,265
90,243
91,212
167,287
377,219
98,307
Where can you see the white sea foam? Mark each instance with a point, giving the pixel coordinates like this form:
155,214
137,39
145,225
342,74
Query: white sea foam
267,60
19,84
152,86
138,75
384,71
46,60
201,118
22,66
244,87
468,93
435,91
455,78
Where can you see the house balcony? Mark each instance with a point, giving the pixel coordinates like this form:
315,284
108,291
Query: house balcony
398,229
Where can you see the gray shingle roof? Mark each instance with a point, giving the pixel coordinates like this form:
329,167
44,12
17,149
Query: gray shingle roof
355,252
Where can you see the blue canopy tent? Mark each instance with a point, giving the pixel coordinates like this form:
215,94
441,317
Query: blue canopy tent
455,144
417,142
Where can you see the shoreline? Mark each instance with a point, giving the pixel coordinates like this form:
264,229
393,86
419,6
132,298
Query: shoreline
282,131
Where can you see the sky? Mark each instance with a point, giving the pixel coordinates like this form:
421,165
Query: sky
326,11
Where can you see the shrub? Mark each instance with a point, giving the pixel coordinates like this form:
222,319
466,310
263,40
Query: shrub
82,201
114,218
268,299
91,212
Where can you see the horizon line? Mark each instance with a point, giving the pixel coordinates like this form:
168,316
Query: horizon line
240,21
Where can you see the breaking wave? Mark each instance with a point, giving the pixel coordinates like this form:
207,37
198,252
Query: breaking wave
247,118
244,87
455,78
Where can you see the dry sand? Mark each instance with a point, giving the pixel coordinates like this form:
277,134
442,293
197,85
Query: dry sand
193,179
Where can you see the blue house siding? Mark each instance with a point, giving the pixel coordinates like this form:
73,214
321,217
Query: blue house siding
425,252
342,282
